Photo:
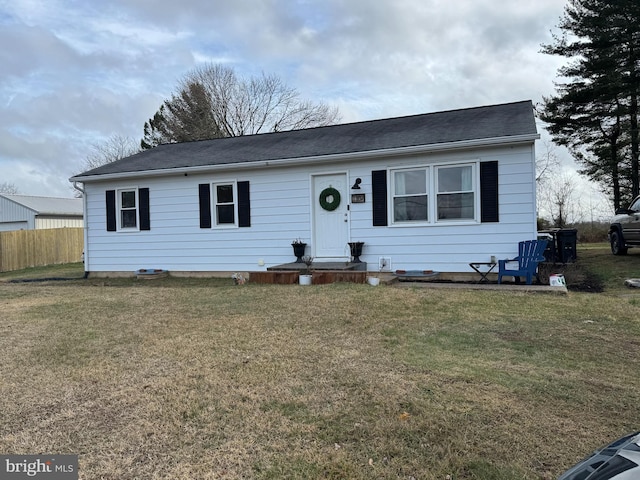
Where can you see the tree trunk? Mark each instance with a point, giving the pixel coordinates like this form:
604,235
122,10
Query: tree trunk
633,113
634,84
615,174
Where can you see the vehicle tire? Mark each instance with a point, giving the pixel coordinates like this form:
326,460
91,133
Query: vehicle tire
617,247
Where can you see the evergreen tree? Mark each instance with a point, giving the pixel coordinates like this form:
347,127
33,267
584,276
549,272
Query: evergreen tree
595,113
185,117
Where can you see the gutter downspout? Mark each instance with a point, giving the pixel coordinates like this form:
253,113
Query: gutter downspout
85,255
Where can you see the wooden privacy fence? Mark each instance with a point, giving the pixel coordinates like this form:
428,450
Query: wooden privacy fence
35,248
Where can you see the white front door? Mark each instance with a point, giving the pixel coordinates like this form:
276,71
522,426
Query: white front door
330,225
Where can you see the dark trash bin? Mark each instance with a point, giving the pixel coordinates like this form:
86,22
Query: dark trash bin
566,239
561,244
550,251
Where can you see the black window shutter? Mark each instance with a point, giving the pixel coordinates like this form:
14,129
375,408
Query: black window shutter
379,193
110,196
204,190
244,205
143,198
489,211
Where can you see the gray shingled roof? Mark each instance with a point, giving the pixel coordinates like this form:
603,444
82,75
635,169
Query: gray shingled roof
48,205
495,121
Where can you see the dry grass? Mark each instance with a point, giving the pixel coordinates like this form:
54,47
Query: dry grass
201,379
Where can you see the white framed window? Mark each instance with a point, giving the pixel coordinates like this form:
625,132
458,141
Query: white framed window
410,195
456,195
434,194
128,216
225,204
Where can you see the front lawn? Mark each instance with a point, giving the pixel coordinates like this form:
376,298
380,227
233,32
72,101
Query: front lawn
202,379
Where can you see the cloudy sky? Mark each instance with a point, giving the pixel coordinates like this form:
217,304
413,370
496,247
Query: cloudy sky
76,72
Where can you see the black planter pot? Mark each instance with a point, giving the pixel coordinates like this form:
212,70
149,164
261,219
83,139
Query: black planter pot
356,251
298,251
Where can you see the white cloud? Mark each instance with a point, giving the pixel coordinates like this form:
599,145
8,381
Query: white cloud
79,72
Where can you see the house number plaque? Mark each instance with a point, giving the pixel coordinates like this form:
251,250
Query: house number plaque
357,198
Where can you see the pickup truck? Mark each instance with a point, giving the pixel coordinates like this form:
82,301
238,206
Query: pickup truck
624,231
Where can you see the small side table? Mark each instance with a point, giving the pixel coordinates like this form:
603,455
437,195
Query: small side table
484,269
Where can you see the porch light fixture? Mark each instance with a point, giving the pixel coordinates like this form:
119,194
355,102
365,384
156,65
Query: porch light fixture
356,185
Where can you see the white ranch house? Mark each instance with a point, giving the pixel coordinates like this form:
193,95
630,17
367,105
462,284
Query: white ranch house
434,191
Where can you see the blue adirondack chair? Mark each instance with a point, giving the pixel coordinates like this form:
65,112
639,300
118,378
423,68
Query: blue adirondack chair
530,253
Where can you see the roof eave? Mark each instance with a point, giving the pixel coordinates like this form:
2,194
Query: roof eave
361,155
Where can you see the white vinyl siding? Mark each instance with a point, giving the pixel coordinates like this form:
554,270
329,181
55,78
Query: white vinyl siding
281,206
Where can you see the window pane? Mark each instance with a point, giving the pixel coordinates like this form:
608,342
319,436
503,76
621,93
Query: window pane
128,199
455,206
129,218
411,182
406,209
224,193
455,179
225,214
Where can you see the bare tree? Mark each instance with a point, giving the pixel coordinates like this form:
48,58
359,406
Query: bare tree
559,199
546,163
213,102
8,188
112,149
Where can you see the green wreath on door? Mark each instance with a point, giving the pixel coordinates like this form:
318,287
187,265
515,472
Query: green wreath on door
329,199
